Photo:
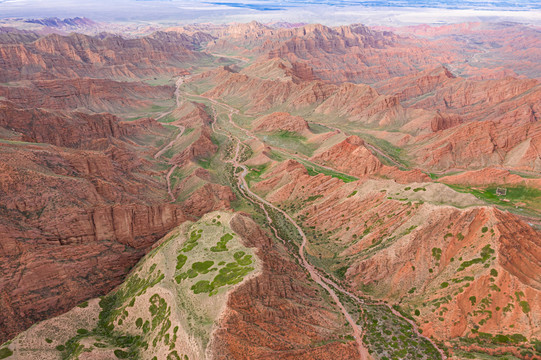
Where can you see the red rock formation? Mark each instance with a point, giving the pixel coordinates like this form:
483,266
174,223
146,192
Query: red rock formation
511,142
76,218
209,197
77,55
389,246
281,121
404,176
363,104
200,148
191,114
350,156
503,46
414,85
97,95
488,176
279,313
444,121
76,129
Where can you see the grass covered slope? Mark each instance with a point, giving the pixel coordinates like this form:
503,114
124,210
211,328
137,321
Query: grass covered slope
166,308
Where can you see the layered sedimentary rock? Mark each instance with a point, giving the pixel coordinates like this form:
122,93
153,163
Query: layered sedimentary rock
78,55
97,95
81,204
276,314
462,268
350,156
281,121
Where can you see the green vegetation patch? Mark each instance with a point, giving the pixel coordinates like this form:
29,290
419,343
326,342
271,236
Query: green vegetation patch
192,241
255,172
524,306
486,253
83,305
290,140
514,194
113,310
436,253
5,353
389,336
181,260
221,245
232,273
202,286
202,267
314,170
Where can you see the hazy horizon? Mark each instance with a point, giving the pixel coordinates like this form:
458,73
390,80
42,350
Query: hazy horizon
332,12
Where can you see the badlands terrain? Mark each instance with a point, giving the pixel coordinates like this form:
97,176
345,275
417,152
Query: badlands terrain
270,191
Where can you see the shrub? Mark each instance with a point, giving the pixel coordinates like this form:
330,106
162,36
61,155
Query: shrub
121,354
238,255
5,352
436,253
202,286
502,339
181,260
341,273
202,267
518,338
525,306
221,245
83,304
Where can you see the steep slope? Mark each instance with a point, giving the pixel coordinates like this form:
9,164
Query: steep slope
217,308
453,269
473,145
352,156
361,103
80,206
55,56
281,121
97,95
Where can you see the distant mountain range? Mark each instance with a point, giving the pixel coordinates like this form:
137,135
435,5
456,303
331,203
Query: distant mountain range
329,12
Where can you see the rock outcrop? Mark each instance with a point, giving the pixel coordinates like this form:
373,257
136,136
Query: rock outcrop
281,121
251,327
401,245
97,95
55,56
350,156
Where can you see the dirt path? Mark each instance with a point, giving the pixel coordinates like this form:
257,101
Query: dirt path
172,142
245,190
321,280
243,186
